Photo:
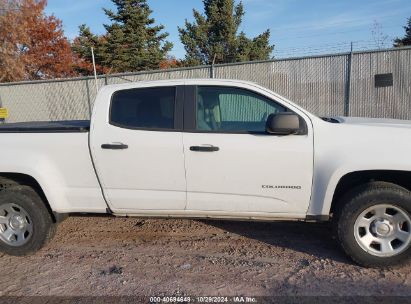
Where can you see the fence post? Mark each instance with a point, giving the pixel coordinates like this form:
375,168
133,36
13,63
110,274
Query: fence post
105,79
88,98
212,66
348,84
2,120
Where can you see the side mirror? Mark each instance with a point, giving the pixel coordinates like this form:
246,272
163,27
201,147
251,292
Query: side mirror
285,123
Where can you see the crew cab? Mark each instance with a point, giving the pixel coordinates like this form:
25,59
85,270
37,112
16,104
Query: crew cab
219,149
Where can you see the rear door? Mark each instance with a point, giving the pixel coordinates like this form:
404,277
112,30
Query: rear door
233,165
137,148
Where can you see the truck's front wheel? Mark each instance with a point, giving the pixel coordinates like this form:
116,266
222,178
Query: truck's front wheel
374,224
25,223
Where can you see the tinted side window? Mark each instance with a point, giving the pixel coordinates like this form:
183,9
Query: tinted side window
233,110
148,108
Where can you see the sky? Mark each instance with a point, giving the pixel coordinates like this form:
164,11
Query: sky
298,27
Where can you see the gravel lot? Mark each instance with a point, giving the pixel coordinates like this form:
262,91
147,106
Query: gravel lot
128,256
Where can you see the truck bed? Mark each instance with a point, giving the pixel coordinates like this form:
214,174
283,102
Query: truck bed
66,126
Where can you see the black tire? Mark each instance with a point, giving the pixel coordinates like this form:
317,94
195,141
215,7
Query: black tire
353,204
43,227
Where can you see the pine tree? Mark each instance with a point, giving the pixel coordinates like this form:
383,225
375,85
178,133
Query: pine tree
406,40
82,48
134,42
214,36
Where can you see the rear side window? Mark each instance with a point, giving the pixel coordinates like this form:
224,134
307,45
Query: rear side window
145,108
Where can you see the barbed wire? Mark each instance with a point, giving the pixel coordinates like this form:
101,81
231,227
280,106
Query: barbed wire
330,48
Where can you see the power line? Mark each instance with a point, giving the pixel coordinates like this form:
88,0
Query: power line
9,9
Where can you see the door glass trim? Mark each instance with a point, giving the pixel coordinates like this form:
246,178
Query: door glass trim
190,108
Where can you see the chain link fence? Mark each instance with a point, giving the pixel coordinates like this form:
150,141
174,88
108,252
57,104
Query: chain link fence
337,84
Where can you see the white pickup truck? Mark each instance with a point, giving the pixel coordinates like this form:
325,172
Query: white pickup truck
218,149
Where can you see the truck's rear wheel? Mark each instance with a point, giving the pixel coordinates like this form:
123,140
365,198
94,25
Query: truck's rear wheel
25,223
374,224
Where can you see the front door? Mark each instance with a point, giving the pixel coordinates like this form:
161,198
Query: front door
138,150
233,165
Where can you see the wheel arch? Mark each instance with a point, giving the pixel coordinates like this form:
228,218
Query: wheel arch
8,179
356,178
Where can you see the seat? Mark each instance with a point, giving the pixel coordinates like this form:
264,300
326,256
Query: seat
201,121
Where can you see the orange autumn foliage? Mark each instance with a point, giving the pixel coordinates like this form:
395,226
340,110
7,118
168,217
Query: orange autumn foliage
33,45
170,63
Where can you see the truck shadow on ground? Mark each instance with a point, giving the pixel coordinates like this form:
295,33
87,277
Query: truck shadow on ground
315,239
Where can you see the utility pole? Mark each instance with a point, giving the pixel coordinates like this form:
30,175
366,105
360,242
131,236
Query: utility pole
94,67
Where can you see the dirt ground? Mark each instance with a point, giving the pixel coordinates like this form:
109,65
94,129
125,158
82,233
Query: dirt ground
119,256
